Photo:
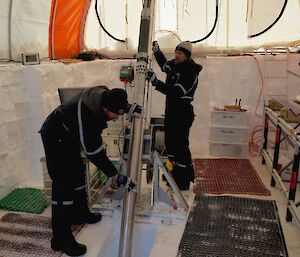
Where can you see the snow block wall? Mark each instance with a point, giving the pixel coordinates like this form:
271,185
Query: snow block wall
29,93
14,144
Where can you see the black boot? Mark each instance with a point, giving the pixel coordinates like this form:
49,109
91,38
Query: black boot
88,218
68,245
192,173
63,239
181,177
82,213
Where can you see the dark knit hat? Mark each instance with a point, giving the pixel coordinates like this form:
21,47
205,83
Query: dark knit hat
115,100
185,47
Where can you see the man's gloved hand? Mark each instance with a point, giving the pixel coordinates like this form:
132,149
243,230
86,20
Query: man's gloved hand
124,181
151,76
155,47
134,110
167,68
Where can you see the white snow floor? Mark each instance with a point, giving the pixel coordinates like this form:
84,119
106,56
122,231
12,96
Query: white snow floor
156,240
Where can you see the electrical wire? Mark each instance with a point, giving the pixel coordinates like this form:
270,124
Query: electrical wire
262,84
213,28
274,22
169,31
256,138
101,25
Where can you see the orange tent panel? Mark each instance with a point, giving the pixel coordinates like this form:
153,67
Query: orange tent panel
66,29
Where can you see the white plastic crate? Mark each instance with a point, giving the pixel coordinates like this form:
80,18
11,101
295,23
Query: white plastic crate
229,118
224,149
113,132
229,134
112,149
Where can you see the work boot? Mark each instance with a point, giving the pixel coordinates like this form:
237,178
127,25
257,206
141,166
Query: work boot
63,239
181,177
82,214
87,218
192,173
68,245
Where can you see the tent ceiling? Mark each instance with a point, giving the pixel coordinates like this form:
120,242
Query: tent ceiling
63,28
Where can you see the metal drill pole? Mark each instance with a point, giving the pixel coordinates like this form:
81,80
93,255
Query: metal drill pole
126,233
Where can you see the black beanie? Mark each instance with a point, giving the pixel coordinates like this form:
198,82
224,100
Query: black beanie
115,100
185,47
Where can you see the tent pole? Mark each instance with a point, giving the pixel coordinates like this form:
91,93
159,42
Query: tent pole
9,29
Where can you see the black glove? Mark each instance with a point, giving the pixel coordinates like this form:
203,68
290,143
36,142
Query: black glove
124,181
151,76
155,47
166,68
134,110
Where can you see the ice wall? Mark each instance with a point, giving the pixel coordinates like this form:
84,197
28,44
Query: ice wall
29,93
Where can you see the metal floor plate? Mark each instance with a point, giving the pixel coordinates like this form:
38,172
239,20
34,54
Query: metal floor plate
227,176
232,226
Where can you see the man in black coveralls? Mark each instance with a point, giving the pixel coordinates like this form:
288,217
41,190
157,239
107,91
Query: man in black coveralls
181,83
74,126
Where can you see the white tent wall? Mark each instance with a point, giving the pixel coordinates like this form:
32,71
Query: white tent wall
29,94
195,19
120,18
293,76
29,23
4,30
260,16
30,27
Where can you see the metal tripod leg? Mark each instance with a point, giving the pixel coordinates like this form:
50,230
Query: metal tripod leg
158,193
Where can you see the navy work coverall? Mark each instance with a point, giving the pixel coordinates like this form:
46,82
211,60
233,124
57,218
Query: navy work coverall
180,86
74,125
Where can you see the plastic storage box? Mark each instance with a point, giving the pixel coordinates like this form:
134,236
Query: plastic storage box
113,145
225,149
229,134
229,118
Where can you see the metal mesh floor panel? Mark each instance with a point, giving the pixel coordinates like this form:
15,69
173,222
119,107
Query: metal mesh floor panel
24,235
227,176
234,227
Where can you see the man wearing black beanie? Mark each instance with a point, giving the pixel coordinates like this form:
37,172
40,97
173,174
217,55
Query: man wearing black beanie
73,126
181,83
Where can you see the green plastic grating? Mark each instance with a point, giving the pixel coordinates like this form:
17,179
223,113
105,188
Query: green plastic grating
30,200
101,175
